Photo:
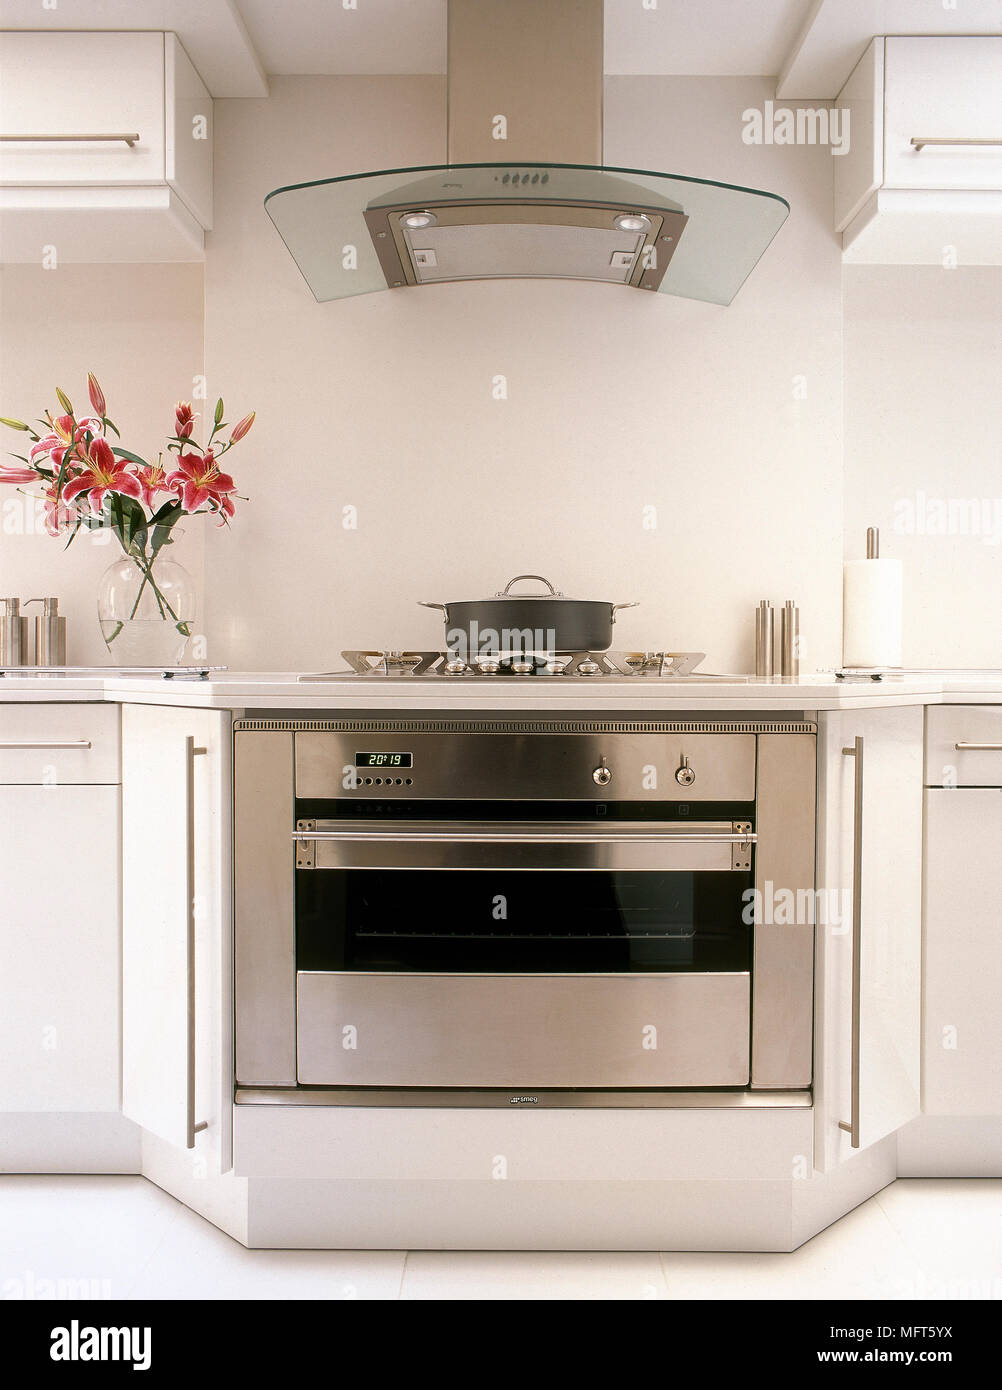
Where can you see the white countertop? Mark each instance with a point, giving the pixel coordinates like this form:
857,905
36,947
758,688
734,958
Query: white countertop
283,690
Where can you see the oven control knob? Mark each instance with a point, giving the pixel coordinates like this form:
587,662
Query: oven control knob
602,775
684,774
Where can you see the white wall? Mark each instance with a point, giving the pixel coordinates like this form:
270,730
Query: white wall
616,402
139,329
923,384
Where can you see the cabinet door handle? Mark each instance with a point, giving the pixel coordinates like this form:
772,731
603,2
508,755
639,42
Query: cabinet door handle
191,753
856,751
919,142
47,743
978,747
130,139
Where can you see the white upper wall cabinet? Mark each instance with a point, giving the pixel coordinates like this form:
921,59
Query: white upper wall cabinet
107,148
913,190
75,85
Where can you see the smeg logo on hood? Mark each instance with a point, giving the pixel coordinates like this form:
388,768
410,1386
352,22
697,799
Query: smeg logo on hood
523,1100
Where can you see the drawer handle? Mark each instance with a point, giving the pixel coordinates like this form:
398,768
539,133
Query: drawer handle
49,743
130,140
851,1126
978,747
191,753
919,142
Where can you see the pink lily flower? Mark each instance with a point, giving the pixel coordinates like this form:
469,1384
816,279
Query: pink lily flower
105,474
57,515
152,479
198,480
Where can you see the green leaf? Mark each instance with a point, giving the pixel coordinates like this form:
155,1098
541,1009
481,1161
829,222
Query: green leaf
164,521
132,458
219,410
129,519
110,425
64,401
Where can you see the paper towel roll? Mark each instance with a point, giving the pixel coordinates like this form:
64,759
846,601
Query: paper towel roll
871,613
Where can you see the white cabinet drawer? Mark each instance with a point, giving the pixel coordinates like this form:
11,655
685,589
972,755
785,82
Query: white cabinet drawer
950,766
57,745
942,88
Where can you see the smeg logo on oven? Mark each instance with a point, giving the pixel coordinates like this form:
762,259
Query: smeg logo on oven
523,1100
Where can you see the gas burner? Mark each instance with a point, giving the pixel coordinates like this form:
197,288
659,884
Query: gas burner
650,665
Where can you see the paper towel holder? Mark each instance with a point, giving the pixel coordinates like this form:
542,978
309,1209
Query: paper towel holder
873,542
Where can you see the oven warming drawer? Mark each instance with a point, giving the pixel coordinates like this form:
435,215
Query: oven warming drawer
523,1032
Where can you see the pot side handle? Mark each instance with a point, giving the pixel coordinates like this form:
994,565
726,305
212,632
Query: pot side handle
424,603
617,606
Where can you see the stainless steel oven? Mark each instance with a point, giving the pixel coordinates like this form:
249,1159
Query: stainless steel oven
521,910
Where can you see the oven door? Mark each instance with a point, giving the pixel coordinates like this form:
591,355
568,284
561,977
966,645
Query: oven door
523,955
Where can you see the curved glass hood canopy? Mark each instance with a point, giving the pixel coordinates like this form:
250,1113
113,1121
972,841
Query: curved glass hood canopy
410,228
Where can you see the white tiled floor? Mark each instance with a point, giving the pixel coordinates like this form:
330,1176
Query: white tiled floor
920,1238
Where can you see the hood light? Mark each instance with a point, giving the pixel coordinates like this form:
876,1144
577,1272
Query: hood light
417,220
632,222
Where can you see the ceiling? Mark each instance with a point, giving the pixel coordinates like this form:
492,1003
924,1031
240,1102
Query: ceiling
811,44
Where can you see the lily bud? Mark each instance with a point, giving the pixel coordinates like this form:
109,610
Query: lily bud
241,427
64,401
97,399
184,420
15,424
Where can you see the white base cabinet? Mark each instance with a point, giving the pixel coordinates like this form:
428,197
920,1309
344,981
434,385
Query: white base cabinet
60,941
176,886
962,969
868,981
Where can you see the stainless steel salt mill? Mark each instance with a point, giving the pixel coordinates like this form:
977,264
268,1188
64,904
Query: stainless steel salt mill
50,633
13,634
764,660
789,641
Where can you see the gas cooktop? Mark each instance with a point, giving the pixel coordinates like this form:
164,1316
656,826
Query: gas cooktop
414,665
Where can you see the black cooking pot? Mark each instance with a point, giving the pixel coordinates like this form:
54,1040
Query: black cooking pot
510,622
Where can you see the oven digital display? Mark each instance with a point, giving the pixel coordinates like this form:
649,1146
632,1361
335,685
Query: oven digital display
383,760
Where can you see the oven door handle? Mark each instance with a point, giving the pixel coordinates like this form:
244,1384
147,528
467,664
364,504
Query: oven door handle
500,837
323,844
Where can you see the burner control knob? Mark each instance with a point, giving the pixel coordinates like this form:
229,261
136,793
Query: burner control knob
602,775
684,774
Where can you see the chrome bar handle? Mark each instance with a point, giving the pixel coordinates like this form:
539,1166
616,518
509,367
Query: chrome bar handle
978,747
481,837
919,142
856,751
81,743
191,753
130,139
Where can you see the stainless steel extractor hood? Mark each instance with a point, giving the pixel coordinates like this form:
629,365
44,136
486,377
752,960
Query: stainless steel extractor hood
525,77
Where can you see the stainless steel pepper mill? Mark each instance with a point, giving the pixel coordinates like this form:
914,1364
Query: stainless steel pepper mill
13,633
764,657
50,633
790,641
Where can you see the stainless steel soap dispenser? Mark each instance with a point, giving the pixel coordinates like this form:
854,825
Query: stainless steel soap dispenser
13,633
50,633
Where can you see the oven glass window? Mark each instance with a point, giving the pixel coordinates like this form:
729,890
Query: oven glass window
506,921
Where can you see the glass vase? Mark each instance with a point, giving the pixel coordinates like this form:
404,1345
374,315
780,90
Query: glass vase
146,608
